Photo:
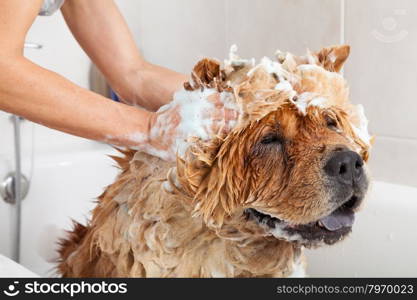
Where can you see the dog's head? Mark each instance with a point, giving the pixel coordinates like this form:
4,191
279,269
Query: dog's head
294,166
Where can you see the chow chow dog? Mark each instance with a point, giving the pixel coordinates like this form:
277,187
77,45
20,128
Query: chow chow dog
290,173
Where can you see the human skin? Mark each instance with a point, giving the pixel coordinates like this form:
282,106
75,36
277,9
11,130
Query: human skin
44,97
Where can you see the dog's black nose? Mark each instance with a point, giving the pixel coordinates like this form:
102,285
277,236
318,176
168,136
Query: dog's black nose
345,166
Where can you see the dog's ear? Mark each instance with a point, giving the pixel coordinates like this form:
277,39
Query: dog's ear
332,58
206,73
206,70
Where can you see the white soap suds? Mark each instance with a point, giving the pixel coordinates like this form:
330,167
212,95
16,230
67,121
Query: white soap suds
284,77
193,119
228,101
308,99
362,130
311,58
279,230
298,270
167,186
174,176
192,106
320,102
217,274
137,137
280,55
142,144
194,111
280,233
272,67
284,86
235,61
308,67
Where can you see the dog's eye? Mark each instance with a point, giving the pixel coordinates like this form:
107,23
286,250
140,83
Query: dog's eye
331,123
268,144
271,139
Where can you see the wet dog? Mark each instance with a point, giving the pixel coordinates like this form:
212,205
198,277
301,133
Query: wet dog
291,173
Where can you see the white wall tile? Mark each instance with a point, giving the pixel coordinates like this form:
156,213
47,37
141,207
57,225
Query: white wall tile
259,28
394,160
176,34
382,67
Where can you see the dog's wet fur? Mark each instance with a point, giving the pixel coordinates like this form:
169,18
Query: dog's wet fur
244,203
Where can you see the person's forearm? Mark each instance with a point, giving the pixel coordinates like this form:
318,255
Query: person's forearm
102,32
47,98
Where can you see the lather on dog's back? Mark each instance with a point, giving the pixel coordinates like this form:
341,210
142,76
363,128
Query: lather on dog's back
291,173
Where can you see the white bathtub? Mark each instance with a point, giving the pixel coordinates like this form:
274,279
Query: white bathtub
383,242
63,188
65,183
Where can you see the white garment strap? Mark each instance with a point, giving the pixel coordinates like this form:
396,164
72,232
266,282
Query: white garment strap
50,6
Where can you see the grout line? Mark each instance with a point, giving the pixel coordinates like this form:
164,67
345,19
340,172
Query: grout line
393,137
342,28
342,22
227,24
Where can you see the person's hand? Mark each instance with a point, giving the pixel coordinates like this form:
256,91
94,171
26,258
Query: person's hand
202,115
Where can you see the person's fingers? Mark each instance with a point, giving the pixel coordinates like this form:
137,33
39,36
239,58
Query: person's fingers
215,99
164,130
230,114
217,120
216,115
216,126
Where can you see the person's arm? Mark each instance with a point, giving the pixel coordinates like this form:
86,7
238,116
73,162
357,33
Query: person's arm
47,98
102,32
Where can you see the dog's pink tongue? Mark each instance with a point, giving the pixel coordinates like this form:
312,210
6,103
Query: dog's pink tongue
337,220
